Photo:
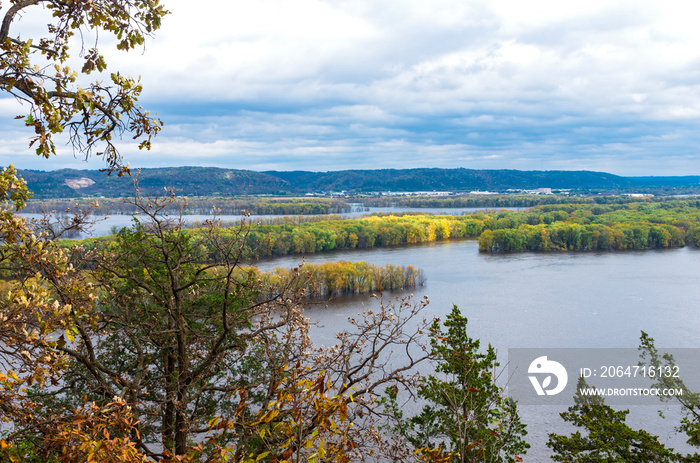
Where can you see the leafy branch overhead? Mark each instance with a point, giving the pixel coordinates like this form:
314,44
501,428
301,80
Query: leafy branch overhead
36,71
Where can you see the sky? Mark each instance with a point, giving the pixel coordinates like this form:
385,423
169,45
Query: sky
320,85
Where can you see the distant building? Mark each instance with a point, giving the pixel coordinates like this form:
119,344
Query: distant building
416,193
539,191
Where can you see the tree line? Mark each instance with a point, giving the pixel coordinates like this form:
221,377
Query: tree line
233,205
204,205
566,227
584,227
494,201
267,240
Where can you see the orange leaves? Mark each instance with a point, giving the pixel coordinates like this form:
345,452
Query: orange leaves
303,421
97,434
6,451
435,455
268,416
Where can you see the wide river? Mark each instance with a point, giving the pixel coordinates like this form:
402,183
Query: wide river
549,300
544,300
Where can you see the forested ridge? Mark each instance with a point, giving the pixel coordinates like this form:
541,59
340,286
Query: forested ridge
212,181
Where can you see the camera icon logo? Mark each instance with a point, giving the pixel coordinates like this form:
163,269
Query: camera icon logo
541,366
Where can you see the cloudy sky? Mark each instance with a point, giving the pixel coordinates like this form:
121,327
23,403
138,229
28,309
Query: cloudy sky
340,84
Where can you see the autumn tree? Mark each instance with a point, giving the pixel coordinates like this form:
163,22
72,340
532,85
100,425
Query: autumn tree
164,321
36,70
43,291
43,294
174,329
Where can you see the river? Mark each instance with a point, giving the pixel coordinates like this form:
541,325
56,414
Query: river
551,300
545,300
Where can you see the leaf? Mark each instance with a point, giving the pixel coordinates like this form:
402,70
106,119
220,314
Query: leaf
213,422
473,445
546,382
269,416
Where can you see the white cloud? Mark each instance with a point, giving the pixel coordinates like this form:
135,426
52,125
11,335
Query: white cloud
482,83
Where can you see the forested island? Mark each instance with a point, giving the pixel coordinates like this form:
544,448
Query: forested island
340,278
567,227
633,225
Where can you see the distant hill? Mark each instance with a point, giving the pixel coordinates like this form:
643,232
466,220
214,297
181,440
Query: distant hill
449,180
190,181
207,181
683,181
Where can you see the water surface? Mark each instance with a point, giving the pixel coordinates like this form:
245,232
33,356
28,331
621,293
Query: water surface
545,300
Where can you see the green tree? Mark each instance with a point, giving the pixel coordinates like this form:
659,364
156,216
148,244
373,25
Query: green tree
176,330
467,417
607,438
689,400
